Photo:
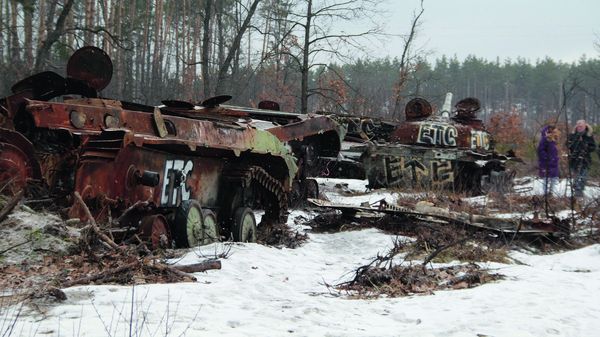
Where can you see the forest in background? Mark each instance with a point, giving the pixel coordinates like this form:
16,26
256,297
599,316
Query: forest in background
281,50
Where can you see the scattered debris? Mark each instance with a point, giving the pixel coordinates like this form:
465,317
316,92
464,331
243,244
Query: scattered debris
383,276
280,235
401,280
426,211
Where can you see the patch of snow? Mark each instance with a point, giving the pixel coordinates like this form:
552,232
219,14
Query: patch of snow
586,259
354,192
263,291
535,186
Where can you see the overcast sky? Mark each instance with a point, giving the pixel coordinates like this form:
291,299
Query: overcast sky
561,29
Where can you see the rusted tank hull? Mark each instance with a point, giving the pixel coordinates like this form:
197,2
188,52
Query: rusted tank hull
428,152
129,174
425,168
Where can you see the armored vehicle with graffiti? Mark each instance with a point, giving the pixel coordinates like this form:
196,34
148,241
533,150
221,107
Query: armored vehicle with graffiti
188,178
309,136
447,152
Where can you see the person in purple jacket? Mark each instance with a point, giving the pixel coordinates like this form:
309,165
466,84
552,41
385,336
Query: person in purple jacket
548,158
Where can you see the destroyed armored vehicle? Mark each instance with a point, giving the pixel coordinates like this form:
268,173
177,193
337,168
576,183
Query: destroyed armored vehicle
437,152
188,177
309,136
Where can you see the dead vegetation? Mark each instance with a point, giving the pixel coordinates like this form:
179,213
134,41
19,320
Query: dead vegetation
280,235
41,253
455,243
53,255
385,276
409,267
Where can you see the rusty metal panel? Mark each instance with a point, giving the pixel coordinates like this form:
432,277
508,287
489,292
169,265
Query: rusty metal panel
93,119
179,177
442,134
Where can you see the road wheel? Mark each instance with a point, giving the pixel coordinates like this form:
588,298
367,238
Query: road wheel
211,226
244,225
188,226
154,230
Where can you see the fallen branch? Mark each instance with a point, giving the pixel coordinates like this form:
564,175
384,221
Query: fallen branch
199,267
441,249
10,205
180,273
14,246
93,224
92,278
135,206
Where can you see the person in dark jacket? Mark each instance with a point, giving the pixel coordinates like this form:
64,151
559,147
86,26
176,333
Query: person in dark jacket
581,145
548,158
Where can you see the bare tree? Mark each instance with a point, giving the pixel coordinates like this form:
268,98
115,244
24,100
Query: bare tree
313,20
407,58
53,36
234,48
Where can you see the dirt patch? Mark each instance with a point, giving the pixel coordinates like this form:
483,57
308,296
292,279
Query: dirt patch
280,235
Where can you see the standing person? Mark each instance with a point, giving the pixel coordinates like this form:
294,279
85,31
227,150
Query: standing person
548,158
581,145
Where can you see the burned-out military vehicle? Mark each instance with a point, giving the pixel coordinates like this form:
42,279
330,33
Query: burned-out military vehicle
309,136
426,151
170,175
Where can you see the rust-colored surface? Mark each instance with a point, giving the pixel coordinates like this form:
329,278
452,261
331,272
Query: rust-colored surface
417,108
155,230
324,132
116,173
91,65
17,163
463,130
91,117
119,155
443,134
426,152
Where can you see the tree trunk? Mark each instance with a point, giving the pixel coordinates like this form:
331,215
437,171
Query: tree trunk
44,51
224,68
28,9
41,33
206,48
305,54
2,23
156,64
106,19
90,8
14,36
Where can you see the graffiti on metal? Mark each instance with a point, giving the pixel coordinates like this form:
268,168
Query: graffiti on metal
442,134
414,171
480,140
175,189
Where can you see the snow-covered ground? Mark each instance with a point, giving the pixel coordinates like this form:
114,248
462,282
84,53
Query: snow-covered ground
265,291
535,186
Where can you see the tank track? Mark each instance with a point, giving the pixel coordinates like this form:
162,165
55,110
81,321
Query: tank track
271,192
